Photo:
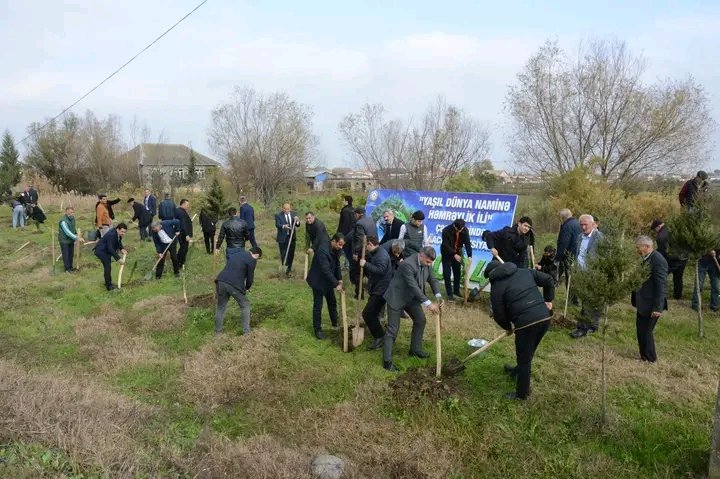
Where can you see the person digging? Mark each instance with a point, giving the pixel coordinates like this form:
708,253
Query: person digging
519,308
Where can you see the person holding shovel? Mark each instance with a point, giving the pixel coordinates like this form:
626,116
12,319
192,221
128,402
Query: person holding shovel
364,227
315,231
324,277
511,243
165,235
286,223
67,236
235,280
519,308
110,246
379,271
455,236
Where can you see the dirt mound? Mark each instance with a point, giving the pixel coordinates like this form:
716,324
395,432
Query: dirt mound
559,321
418,385
202,301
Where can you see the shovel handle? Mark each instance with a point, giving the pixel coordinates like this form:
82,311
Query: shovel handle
438,345
499,259
487,346
717,265
343,308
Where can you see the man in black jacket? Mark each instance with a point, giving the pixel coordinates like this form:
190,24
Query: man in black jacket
649,299
234,231
165,235
692,189
511,243
186,230
567,245
235,280
364,227
207,224
166,210
379,271
141,215
110,246
315,231
324,278
676,265
455,236
346,225
518,307
391,226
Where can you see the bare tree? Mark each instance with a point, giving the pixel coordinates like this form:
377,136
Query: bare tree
596,112
266,139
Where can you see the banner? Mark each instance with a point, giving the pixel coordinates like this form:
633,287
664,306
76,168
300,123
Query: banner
481,211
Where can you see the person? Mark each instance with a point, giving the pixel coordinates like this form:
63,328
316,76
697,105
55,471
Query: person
692,189
247,214
455,236
391,226
587,249
67,236
707,266
110,246
33,195
414,233
103,222
235,280
166,210
234,231
286,223
566,251
207,224
25,196
364,227
676,265
109,205
511,243
407,293
520,309
396,251
650,299
141,215
315,232
379,270
165,235
18,213
186,231
346,225
548,263
324,278
150,203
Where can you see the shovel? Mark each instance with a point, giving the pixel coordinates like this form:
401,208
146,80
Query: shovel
468,265
24,245
344,320
122,268
455,366
438,344
77,250
305,269
358,333
287,251
52,258
149,275
567,295
214,267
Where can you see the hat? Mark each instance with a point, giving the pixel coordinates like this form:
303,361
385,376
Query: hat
702,175
359,211
656,222
491,266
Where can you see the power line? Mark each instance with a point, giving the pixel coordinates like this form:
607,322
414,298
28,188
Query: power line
115,72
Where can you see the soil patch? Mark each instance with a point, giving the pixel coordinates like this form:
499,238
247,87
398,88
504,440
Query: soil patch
419,385
202,301
559,321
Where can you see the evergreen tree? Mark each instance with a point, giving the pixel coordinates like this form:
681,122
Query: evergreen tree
9,165
192,176
215,203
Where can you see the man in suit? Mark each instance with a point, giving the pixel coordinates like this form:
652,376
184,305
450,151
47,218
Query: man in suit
567,245
379,271
676,265
587,250
391,226
141,215
110,246
455,236
166,210
207,224
364,227
315,232
324,278
186,230
407,293
234,231
165,235
247,214
346,225
150,203
650,299
235,280
286,223
511,243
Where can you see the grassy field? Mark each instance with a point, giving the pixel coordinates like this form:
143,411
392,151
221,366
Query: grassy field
133,383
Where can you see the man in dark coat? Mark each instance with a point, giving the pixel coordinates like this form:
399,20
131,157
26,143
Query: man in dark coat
395,249
247,214
455,236
650,299
676,265
707,267
324,278
518,307
346,225
391,226
511,243
150,203
286,223
234,231
110,246
34,196
166,210
407,293
567,245
141,215
692,188
186,231
364,227
315,231
379,270
235,280
207,224
165,235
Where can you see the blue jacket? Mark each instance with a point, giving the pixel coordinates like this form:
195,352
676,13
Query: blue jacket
247,213
170,227
150,203
109,245
284,234
239,271
167,209
567,246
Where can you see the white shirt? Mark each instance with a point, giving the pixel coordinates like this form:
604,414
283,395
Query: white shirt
582,251
164,238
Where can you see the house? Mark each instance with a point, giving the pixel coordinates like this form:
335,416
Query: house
315,179
501,176
169,160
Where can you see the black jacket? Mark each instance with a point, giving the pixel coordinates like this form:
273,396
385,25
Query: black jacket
651,296
567,245
207,222
186,226
140,214
394,260
236,232
511,246
447,247
166,210
314,233
515,298
109,245
324,273
239,271
364,227
347,221
391,231
109,208
170,227
379,270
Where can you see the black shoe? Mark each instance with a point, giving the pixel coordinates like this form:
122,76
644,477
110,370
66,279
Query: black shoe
110,287
376,343
513,396
388,365
451,299
511,370
319,334
578,333
418,354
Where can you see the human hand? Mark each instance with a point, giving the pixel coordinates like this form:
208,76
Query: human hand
457,258
712,253
309,251
509,332
177,234
355,257
655,314
434,308
124,251
362,263
339,286
548,304
494,251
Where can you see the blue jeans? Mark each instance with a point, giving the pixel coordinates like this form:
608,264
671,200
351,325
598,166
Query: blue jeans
712,272
18,218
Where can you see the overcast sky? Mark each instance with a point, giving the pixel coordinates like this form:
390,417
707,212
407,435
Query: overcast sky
332,55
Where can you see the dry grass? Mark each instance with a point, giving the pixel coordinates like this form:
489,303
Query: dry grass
163,313
94,426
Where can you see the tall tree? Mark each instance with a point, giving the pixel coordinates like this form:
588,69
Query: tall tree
266,139
9,165
594,110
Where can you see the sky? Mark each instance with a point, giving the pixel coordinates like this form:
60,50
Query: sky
333,56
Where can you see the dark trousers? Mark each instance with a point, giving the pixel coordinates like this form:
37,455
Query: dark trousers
68,252
676,267
182,251
415,310
329,296
347,249
148,228
251,238
209,237
107,269
371,315
644,326
354,275
224,291
172,251
290,254
526,343
450,266
589,319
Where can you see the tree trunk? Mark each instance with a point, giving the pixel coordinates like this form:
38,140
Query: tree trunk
714,472
603,382
699,297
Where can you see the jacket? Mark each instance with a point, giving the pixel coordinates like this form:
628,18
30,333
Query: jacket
186,226
67,232
239,271
567,247
284,234
108,205
394,260
510,244
150,204
516,300
166,210
363,228
347,220
102,216
109,245
247,213
651,297
236,232
447,247
324,273
414,237
391,231
207,222
314,233
408,284
379,270
170,227
595,236
141,214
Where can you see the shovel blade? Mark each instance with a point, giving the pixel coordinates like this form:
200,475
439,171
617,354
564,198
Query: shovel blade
358,336
453,367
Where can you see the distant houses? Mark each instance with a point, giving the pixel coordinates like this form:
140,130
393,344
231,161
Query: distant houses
168,161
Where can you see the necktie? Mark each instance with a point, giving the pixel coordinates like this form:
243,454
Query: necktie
287,218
